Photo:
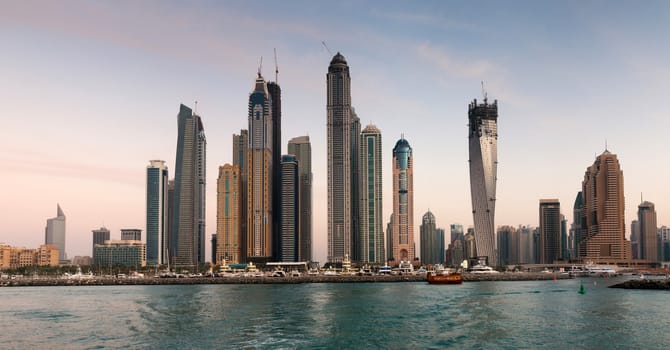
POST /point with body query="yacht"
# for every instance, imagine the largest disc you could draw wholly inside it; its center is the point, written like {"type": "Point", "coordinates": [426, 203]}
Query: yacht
{"type": "Point", "coordinates": [385, 270]}
{"type": "Point", "coordinates": [278, 272]}
{"type": "Point", "coordinates": [479, 268]}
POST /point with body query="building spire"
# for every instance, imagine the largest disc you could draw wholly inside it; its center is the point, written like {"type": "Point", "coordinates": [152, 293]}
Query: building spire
{"type": "Point", "coordinates": [276, 68]}
{"type": "Point", "coordinates": [260, 67]}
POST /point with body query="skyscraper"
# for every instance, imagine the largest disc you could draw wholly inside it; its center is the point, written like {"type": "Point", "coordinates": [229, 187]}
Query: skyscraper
{"type": "Point", "coordinates": [339, 125]}
{"type": "Point", "coordinates": [275, 96]}
{"type": "Point", "coordinates": [456, 231]}
{"type": "Point", "coordinates": [370, 192]}
{"type": "Point", "coordinates": [288, 244]}
{"type": "Point", "coordinates": [483, 147]}
{"type": "Point", "coordinates": [228, 214]}
{"type": "Point", "coordinates": [604, 231]}
{"type": "Point", "coordinates": [54, 233]}
{"type": "Point", "coordinates": [635, 239]}
{"type": "Point", "coordinates": [157, 212]}
{"type": "Point", "coordinates": [240, 157]}
{"type": "Point", "coordinates": [171, 239]}
{"type": "Point", "coordinates": [550, 231]}
{"type": "Point", "coordinates": [189, 201]}
{"type": "Point", "coordinates": [99, 237]}
{"type": "Point", "coordinates": [576, 226]}
{"type": "Point", "coordinates": [403, 202]}
{"type": "Point", "coordinates": [259, 174]}
{"type": "Point", "coordinates": [355, 189]}
{"type": "Point", "coordinates": [508, 246]}
{"type": "Point", "coordinates": [301, 148]}
{"type": "Point", "coordinates": [430, 242]}
{"type": "Point", "coordinates": [646, 216]}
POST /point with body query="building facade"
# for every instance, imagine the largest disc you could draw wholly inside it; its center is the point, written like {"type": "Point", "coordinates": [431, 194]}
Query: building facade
{"type": "Point", "coordinates": [260, 178]}
{"type": "Point", "coordinates": [340, 190]}
{"type": "Point", "coordinates": [301, 148]}
{"type": "Point", "coordinates": [54, 233]}
{"type": "Point", "coordinates": [189, 201]}
{"type": "Point", "coordinates": [18, 257]}
{"type": "Point", "coordinates": [603, 236]}
{"type": "Point", "coordinates": [289, 239]}
{"type": "Point", "coordinates": [229, 214]}
{"type": "Point", "coordinates": [483, 150]}
{"type": "Point", "coordinates": [240, 159]}
{"type": "Point", "coordinates": [131, 234]}
{"type": "Point", "coordinates": [371, 244]}
{"type": "Point", "coordinates": [550, 231]}
{"type": "Point", "coordinates": [275, 96]}
{"type": "Point", "coordinates": [157, 212]}
{"type": "Point", "coordinates": [99, 237]}
{"type": "Point", "coordinates": [121, 252]}
{"type": "Point", "coordinates": [403, 202]}
{"type": "Point", "coordinates": [648, 247]}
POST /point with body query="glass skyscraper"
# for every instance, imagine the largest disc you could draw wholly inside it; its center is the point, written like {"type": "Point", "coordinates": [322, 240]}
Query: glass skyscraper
{"type": "Point", "coordinates": [371, 240]}
{"type": "Point", "coordinates": [157, 216]}
{"type": "Point", "coordinates": [301, 148]}
{"type": "Point", "coordinates": [54, 233]}
{"type": "Point", "coordinates": [189, 190]}
{"type": "Point", "coordinates": [483, 149]}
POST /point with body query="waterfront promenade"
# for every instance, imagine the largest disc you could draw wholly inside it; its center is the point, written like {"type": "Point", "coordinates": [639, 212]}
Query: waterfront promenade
{"type": "Point", "coordinates": [103, 281]}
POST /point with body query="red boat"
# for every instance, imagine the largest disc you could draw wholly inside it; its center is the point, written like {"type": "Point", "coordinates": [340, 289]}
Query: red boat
{"type": "Point", "coordinates": [448, 278]}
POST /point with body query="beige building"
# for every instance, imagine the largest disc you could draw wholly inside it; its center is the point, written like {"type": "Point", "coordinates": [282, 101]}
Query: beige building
{"type": "Point", "coordinates": [403, 202]}
{"type": "Point", "coordinates": [646, 218]}
{"type": "Point", "coordinates": [603, 237]}
{"type": "Point", "coordinates": [228, 214]}
{"type": "Point", "coordinates": [16, 257]}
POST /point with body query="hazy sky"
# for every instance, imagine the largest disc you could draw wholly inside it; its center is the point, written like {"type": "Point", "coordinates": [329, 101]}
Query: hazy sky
{"type": "Point", "coordinates": [90, 93]}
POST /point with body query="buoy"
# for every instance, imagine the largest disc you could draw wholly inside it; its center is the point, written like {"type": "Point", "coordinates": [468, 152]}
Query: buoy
{"type": "Point", "coordinates": [581, 288]}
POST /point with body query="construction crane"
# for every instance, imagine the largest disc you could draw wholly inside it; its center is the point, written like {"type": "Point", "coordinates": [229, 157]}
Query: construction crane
{"type": "Point", "coordinates": [326, 46]}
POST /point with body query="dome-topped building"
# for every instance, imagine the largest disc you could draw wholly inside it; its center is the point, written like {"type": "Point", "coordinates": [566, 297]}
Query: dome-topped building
{"type": "Point", "coordinates": [403, 203]}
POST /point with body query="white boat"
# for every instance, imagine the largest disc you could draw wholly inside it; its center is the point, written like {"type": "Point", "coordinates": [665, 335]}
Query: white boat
{"type": "Point", "coordinates": [278, 272]}
{"type": "Point", "coordinates": [405, 267]}
{"type": "Point", "coordinates": [295, 273]}
{"type": "Point", "coordinates": [479, 268]}
{"type": "Point", "coordinates": [330, 272]}
{"type": "Point", "coordinates": [313, 272]}
{"type": "Point", "coordinates": [385, 270]}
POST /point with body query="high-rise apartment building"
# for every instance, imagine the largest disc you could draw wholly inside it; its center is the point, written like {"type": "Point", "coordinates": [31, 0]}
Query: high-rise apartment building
{"type": "Point", "coordinates": [483, 149]}
{"type": "Point", "coordinates": [603, 236]}
{"type": "Point", "coordinates": [371, 242]}
{"type": "Point", "coordinates": [289, 242]}
{"type": "Point", "coordinates": [157, 212]}
{"type": "Point", "coordinates": [635, 239]}
{"type": "Point", "coordinates": [54, 233]}
{"type": "Point", "coordinates": [189, 191]}
{"type": "Point", "coordinates": [259, 174]}
{"type": "Point", "coordinates": [432, 243]}
{"type": "Point", "coordinates": [171, 239]}
{"type": "Point", "coordinates": [648, 247]}
{"type": "Point", "coordinates": [99, 237]}
{"type": "Point", "coordinates": [456, 231]}
{"type": "Point", "coordinates": [565, 255]}
{"type": "Point", "coordinates": [340, 189]}
{"type": "Point", "coordinates": [403, 202]}
{"type": "Point", "coordinates": [508, 246]}
{"type": "Point", "coordinates": [240, 157]}
{"type": "Point", "coordinates": [131, 234]}
{"type": "Point", "coordinates": [275, 96]}
{"type": "Point", "coordinates": [550, 231]}
{"type": "Point", "coordinates": [228, 214]}
{"type": "Point", "coordinates": [301, 148]}
{"type": "Point", "coordinates": [355, 187]}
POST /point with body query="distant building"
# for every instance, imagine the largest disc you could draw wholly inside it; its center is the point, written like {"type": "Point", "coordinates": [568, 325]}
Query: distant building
{"type": "Point", "coordinates": [508, 246]}
{"type": "Point", "coordinates": [55, 233]}
{"type": "Point", "coordinates": [157, 213]}
{"type": "Point", "coordinates": [456, 231]}
{"type": "Point", "coordinates": [432, 244]}
{"type": "Point", "coordinates": [213, 249]}
{"type": "Point", "coordinates": [301, 148]}
{"type": "Point", "coordinates": [565, 255]}
{"type": "Point", "coordinates": [664, 234]}
{"type": "Point", "coordinates": [604, 231]}
{"type": "Point", "coordinates": [576, 226]}
{"type": "Point", "coordinates": [17, 257]}
{"type": "Point", "coordinates": [456, 253]}
{"type": "Point", "coordinates": [131, 234]}
{"type": "Point", "coordinates": [483, 150]}
{"type": "Point", "coordinates": [240, 159]}
{"type": "Point", "coordinates": [275, 97]}
{"type": "Point", "coordinates": [189, 190]}
{"type": "Point", "coordinates": [289, 242]}
{"type": "Point", "coordinates": [370, 192]}
{"type": "Point", "coordinates": [646, 216]}
{"type": "Point", "coordinates": [229, 214]}
{"type": "Point", "coordinates": [526, 247]}
{"type": "Point", "coordinates": [127, 253]}
{"type": "Point", "coordinates": [99, 237]}
{"type": "Point", "coordinates": [82, 260]}
{"type": "Point", "coordinates": [550, 231]}
{"type": "Point", "coordinates": [635, 239]}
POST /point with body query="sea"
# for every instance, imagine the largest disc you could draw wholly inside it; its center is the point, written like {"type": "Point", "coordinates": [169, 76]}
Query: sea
{"type": "Point", "coordinates": [474, 315]}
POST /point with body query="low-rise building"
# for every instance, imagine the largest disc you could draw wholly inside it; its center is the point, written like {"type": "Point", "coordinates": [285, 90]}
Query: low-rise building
{"type": "Point", "coordinates": [120, 252]}
{"type": "Point", "coordinates": [16, 257]}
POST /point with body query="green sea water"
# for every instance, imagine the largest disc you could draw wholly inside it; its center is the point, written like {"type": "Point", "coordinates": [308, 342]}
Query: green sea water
{"type": "Point", "coordinates": [476, 315]}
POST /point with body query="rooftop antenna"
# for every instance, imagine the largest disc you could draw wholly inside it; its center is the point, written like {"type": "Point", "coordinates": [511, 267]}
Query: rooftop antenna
{"type": "Point", "coordinates": [484, 93]}
{"type": "Point", "coordinates": [327, 49]}
{"type": "Point", "coordinates": [641, 200]}
{"type": "Point", "coordinates": [276, 68]}
{"type": "Point", "coordinates": [195, 109]}
{"type": "Point", "coordinates": [606, 145]}
{"type": "Point", "coordinates": [260, 67]}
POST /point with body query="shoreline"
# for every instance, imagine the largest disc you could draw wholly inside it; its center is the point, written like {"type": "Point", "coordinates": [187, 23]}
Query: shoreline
{"type": "Point", "coordinates": [106, 281]}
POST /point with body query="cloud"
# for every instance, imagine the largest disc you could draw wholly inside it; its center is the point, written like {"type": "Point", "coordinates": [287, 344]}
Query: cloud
{"type": "Point", "coordinates": [453, 66]}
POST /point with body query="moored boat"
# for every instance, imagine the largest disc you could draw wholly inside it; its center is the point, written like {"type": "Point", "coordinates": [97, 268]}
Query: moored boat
{"type": "Point", "coordinates": [447, 278]}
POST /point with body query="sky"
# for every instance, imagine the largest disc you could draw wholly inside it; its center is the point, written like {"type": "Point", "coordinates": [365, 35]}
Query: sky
{"type": "Point", "coordinates": [91, 90]}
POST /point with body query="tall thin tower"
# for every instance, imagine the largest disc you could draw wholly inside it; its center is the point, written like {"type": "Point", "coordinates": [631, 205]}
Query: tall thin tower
{"type": "Point", "coordinates": [54, 232]}
{"type": "Point", "coordinates": [275, 96]}
{"type": "Point", "coordinates": [157, 212]}
{"type": "Point", "coordinates": [259, 173]}
{"type": "Point", "coordinates": [370, 185]}
{"type": "Point", "coordinates": [403, 202]}
{"type": "Point", "coordinates": [189, 191]}
{"type": "Point", "coordinates": [301, 148]}
{"type": "Point", "coordinates": [339, 124]}
{"type": "Point", "coordinates": [483, 147]}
